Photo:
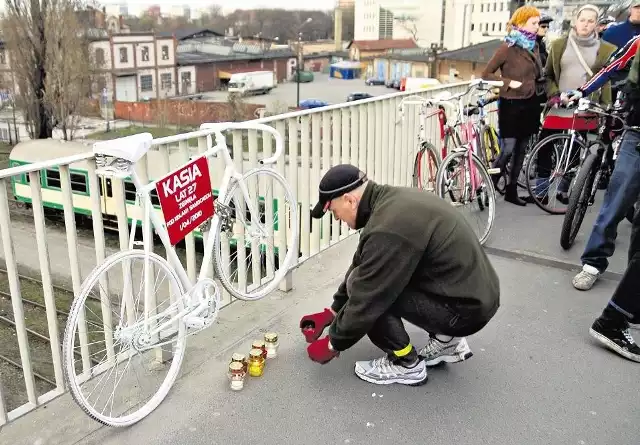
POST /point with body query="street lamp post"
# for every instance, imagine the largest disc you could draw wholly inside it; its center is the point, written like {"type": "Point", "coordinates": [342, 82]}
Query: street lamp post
{"type": "Point", "coordinates": [299, 61]}
{"type": "Point", "coordinates": [298, 70]}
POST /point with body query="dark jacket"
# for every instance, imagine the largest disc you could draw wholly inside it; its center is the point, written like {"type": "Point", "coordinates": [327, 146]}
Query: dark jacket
{"type": "Point", "coordinates": [542, 50]}
{"type": "Point", "coordinates": [515, 63]}
{"type": "Point", "coordinates": [415, 241]}
{"type": "Point", "coordinates": [619, 35]}
{"type": "Point", "coordinates": [631, 88]}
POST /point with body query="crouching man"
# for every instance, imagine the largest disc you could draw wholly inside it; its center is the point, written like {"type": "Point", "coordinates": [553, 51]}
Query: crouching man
{"type": "Point", "coordinates": [417, 260]}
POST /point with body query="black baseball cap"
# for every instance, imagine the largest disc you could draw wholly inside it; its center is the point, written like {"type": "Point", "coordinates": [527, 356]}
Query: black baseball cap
{"type": "Point", "coordinates": [337, 181]}
{"type": "Point", "coordinates": [545, 19]}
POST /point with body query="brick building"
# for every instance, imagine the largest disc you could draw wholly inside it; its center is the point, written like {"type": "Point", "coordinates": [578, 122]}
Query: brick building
{"type": "Point", "coordinates": [467, 62]}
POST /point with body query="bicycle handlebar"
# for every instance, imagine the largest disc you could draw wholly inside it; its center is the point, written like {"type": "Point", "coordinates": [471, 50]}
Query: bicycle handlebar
{"type": "Point", "coordinates": [219, 127]}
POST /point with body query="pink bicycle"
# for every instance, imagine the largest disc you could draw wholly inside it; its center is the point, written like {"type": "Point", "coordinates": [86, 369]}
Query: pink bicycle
{"type": "Point", "coordinates": [463, 176]}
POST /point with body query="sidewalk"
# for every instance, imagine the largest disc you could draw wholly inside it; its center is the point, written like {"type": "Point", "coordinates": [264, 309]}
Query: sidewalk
{"type": "Point", "coordinates": [536, 377]}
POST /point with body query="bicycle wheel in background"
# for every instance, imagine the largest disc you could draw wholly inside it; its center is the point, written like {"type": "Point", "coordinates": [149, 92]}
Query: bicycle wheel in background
{"type": "Point", "coordinates": [266, 244]}
{"type": "Point", "coordinates": [579, 201]}
{"type": "Point", "coordinates": [425, 167]}
{"type": "Point", "coordinates": [454, 180]}
{"type": "Point", "coordinates": [490, 145]}
{"type": "Point", "coordinates": [548, 192]}
{"type": "Point", "coordinates": [111, 333]}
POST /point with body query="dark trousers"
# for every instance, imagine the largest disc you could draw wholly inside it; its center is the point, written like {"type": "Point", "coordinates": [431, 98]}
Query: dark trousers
{"type": "Point", "coordinates": [513, 151]}
{"type": "Point", "coordinates": [435, 317]}
{"type": "Point", "coordinates": [626, 298]}
{"type": "Point", "coordinates": [622, 193]}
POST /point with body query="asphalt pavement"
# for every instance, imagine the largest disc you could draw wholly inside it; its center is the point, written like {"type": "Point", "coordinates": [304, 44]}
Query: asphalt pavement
{"type": "Point", "coordinates": [536, 375]}
{"type": "Point", "coordinates": [323, 87]}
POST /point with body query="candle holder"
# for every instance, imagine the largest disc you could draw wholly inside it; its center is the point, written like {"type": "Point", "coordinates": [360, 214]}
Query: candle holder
{"type": "Point", "coordinates": [256, 363]}
{"type": "Point", "coordinates": [271, 343]}
{"type": "Point", "coordinates": [236, 376]}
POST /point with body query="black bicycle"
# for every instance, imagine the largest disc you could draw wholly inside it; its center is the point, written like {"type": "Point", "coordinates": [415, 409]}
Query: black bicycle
{"type": "Point", "coordinates": [594, 165]}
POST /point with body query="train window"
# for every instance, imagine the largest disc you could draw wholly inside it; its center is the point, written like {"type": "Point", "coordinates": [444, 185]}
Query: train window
{"type": "Point", "coordinates": [100, 187]}
{"type": "Point", "coordinates": [79, 182]}
{"type": "Point", "coordinates": [53, 179]}
{"type": "Point", "coordinates": [154, 198]}
{"type": "Point", "coordinates": [129, 191]}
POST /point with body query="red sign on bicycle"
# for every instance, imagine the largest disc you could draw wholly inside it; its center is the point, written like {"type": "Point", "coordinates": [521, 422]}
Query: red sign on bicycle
{"type": "Point", "coordinates": [186, 198]}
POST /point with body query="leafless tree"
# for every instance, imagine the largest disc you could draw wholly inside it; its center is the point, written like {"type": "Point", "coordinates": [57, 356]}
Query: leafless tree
{"type": "Point", "coordinates": [45, 46]}
{"type": "Point", "coordinates": [409, 24]}
{"type": "Point", "coordinates": [68, 67]}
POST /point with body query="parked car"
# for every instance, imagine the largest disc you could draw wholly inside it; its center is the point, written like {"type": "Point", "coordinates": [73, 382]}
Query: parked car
{"type": "Point", "coordinates": [393, 83]}
{"type": "Point", "coordinates": [374, 81]}
{"type": "Point", "coordinates": [312, 103]}
{"type": "Point", "coordinates": [358, 96]}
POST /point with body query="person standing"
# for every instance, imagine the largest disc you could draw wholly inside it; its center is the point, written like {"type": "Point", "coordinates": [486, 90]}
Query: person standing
{"type": "Point", "coordinates": [624, 187]}
{"type": "Point", "coordinates": [573, 60]}
{"type": "Point", "coordinates": [518, 59]}
{"type": "Point", "coordinates": [541, 37]}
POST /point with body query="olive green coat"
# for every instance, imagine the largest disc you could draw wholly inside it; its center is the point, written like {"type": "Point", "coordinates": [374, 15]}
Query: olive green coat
{"type": "Point", "coordinates": [557, 48]}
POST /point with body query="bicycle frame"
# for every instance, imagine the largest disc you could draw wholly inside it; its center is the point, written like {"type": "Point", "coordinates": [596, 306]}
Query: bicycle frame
{"type": "Point", "coordinates": [143, 194]}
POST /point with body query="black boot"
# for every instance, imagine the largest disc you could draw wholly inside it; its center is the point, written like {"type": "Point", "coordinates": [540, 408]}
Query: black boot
{"type": "Point", "coordinates": [511, 195]}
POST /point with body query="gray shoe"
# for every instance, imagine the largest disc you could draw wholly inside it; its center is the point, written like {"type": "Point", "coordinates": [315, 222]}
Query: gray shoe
{"type": "Point", "coordinates": [382, 371]}
{"type": "Point", "coordinates": [586, 278]}
{"type": "Point", "coordinates": [436, 351]}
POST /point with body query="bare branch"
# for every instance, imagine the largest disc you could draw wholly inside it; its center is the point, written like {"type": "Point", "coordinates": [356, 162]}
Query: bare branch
{"type": "Point", "coordinates": [48, 55]}
{"type": "Point", "coordinates": [409, 24]}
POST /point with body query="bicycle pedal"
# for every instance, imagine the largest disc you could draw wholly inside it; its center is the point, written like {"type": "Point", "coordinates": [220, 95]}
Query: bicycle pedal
{"type": "Point", "coordinates": [493, 171]}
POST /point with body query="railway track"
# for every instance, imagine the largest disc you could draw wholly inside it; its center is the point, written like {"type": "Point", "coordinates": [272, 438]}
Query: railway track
{"type": "Point", "coordinates": [35, 317]}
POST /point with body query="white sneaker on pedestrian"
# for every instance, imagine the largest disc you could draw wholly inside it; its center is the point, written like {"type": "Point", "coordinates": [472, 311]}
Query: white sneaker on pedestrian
{"type": "Point", "coordinates": [586, 278]}
{"type": "Point", "coordinates": [453, 351]}
{"type": "Point", "coordinates": [383, 371]}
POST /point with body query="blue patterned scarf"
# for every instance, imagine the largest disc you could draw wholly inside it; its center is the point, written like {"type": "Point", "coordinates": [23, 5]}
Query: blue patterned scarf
{"type": "Point", "coordinates": [520, 37]}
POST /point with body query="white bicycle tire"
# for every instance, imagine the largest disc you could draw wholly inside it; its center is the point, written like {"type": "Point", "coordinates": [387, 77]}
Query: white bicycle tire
{"type": "Point", "coordinates": [67, 344]}
{"type": "Point", "coordinates": [285, 263]}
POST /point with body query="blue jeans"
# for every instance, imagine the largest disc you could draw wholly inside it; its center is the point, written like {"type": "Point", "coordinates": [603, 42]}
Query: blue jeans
{"type": "Point", "coordinates": [621, 195]}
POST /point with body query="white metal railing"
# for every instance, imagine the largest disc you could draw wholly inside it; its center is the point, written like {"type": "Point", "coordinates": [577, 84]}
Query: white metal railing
{"type": "Point", "coordinates": [365, 133]}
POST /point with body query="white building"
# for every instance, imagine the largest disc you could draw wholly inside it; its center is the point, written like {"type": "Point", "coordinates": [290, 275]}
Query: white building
{"type": "Point", "coordinates": [136, 66]}
{"type": "Point", "coordinates": [422, 20]}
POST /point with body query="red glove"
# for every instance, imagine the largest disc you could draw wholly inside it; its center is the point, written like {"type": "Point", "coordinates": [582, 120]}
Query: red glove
{"type": "Point", "coordinates": [312, 325]}
{"type": "Point", "coordinates": [319, 351]}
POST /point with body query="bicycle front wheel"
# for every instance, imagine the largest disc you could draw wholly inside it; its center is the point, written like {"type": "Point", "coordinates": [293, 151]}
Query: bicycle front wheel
{"type": "Point", "coordinates": [263, 246]}
{"type": "Point", "coordinates": [425, 167]}
{"type": "Point", "coordinates": [578, 201]}
{"type": "Point", "coordinates": [550, 171]}
{"type": "Point", "coordinates": [107, 339]}
{"type": "Point", "coordinates": [468, 188]}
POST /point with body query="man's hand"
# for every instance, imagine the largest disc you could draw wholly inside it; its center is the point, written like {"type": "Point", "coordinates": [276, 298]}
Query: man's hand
{"type": "Point", "coordinates": [313, 325]}
{"type": "Point", "coordinates": [321, 351]}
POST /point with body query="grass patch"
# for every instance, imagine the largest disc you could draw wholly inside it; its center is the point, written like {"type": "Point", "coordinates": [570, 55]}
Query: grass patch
{"type": "Point", "coordinates": [157, 132]}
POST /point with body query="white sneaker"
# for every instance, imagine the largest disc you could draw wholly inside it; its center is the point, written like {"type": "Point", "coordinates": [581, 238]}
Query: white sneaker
{"type": "Point", "coordinates": [453, 351]}
{"type": "Point", "coordinates": [383, 371]}
{"type": "Point", "coordinates": [586, 278]}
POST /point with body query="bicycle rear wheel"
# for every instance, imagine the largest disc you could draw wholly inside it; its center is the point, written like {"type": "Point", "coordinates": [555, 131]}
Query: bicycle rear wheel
{"type": "Point", "coordinates": [266, 244]}
{"type": "Point", "coordinates": [579, 201]}
{"type": "Point", "coordinates": [454, 181]}
{"type": "Point", "coordinates": [112, 334]}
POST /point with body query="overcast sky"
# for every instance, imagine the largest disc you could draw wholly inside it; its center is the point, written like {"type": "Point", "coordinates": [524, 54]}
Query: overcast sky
{"type": "Point", "coordinates": [231, 4]}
